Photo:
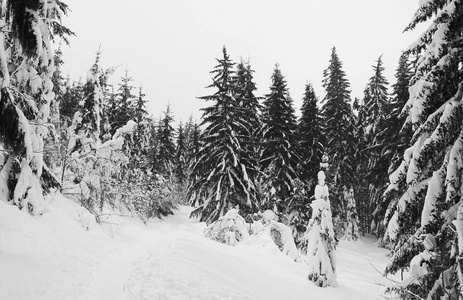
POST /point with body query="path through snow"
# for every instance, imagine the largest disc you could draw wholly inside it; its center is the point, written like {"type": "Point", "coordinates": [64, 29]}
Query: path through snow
{"type": "Point", "coordinates": [53, 257]}
{"type": "Point", "coordinates": [175, 261]}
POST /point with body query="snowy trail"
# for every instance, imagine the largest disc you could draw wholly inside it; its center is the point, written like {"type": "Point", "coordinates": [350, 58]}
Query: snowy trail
{"type": "Point", "coordinates": [174, 261]}
{"type": "Point", "coordinates": [112, 279]}
{"type": "Point", "coordinates": [54, 258]}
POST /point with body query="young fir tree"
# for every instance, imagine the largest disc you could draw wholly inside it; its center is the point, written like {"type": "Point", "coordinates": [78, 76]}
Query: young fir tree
{"type": "Point", "coordinates": [223, 181]}
{"type": "Point", "coordinates": [24, 103]}
{"type": "Point", "coordinates": [338, 129]}
{"type": "Point", "coordinates": [68, 105]}
{"type": "Point", "coordinates": [395, 139]}
{"type": "Point", "coordinates": [279, 153]}
{"type": "Point", "coordinates": [138, 148]}
{"type": "Point", "coordinates": [122, 107]}
{"type": "Point", "coordinates": [425, 221]}
{"type": "Point", "coordinates": [321, 244]}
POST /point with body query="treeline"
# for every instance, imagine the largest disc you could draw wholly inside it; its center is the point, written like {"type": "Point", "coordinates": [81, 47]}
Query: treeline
{"type": "Point", "coordinates": [257, 155]}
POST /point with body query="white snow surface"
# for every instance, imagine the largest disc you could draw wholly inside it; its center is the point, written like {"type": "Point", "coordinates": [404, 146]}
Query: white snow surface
{"type": "Point", "coordinates": [53, 256]}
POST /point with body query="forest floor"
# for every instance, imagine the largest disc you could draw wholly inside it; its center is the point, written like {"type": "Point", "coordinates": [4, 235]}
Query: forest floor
{"type": "Point", "coordinates": [54, 257]}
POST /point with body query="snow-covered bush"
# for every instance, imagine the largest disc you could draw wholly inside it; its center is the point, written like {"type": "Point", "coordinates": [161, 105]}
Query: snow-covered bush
{"type": "Point", "coordinates": [93, 170]}
{"type": "Point", "coordinates": [151, 196]}
{"type": "Point", "coordinates": [267, 230]}
{"type": "Point", "coordinates": [229, 229]}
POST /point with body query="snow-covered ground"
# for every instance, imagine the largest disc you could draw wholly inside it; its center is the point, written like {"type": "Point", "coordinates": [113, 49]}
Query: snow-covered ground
{"type": "Point", "coordinates": [54, 257]}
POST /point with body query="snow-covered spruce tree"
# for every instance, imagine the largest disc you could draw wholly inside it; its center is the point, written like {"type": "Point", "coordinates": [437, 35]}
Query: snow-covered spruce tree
{"type": "Point", "coordinates": [279, 154]}
{"type": "Point", "coordinates": [26, 96]}
{"type": "Point", "coordinates": [321, 245]}
{"type": "Point", "coordinates": [431, 169]}
{"type": "Point", "coordinates": [222, 180]}
{"type": "Point", "coordinates": [376, 111]}
{"type": "Point", "coordinates": [338, 129]}
{"type": "Point", "coordinates": [248, 104]}
{"type": "Point", "coordinates": [360, 184]}
{"type": "Point", "coordinates": [371, 165]}
{"type": "Point", "coordinates": [310, 152]}
{"type": "Point", "coordinates": [310, 137]}
{"type": "Point", "coordinates": [394, 138]}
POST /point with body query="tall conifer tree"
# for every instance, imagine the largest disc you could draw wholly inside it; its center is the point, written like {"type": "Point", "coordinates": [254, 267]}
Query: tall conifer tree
{"type": "Point", "coordinates": [374, 162]}
{"type": "Point", "coordinates": [427, 218]}
{"type": "Point", "coordinates": [338, 130]}
{"type": "Point", "coordinates": [279, 155]}
{"type": "Point", "coordinates": [222, 181]}
{"type": "Point", "coordinates": [310, 138]}
{"type": "Point", "coordinates": [395, 137]}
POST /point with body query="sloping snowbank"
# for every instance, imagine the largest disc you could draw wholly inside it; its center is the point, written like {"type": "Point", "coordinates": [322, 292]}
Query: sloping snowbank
{"type": "Point", "coordinates": [54, 257]}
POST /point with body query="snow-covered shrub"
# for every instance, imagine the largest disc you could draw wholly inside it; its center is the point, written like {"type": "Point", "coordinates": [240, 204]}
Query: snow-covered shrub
{"type": "Point", "coordinates": [93, 171]}
{"type": "Point", "coordinates": [268, 229]}
{"type": "Point", "coordinates": [229, 229]}
{"type": "Point", "coordinates": [152, 197]}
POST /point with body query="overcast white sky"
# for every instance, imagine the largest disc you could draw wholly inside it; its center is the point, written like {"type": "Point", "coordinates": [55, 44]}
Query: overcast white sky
{"type": "Point", "coordinates": [169, 47]}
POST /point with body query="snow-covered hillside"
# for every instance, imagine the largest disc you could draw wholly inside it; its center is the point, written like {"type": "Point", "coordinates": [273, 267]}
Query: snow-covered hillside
{"type": "Point", "coordinates": [54, 257]}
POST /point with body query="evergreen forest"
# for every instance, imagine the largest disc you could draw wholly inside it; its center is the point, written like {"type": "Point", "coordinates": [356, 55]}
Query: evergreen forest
{"type": "Point", "coordinates": [393, 158]}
